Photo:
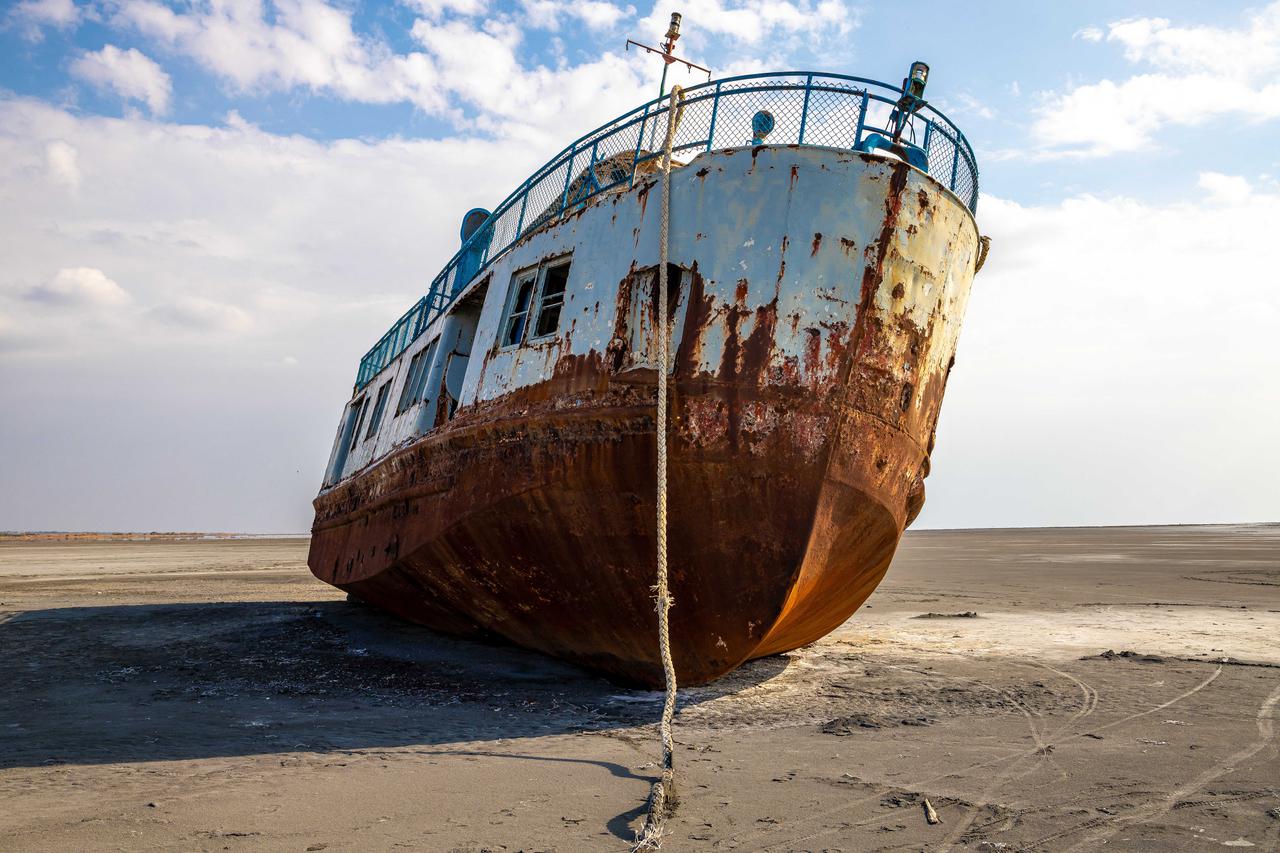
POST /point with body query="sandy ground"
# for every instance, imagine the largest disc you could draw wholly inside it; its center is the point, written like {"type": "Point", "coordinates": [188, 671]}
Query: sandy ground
{"type": "Point", "coordinates": [213, 696]}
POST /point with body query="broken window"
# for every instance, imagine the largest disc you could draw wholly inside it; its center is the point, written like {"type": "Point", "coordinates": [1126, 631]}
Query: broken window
{"type": "Point", "coordinates": [518, 309]}
{"type": "Point", "coordinates": [357, 414]}
{"type": "Point", "coordinates": [551, 299]}
{"type": "Point", "coordinates": [416, 381]}
{"type": "Point", "coordinates": [378, 406]}
{"type": "Point", "coordinates": [537, 297]}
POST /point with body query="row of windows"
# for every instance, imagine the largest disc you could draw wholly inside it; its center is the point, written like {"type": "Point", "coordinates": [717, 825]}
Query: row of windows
{"type": "Point", "coordinates": [536, 293]}
{"type": "Point", "coordinates": [414, 385]}
{"type": "Point", "coordinates": [359, 410]}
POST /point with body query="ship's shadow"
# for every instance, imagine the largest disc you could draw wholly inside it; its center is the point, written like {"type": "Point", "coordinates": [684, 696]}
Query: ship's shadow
{"type": "Point", "coordinates": [185, 681]}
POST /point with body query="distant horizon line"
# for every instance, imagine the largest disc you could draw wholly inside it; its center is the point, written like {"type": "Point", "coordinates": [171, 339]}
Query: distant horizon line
{"type": "Point", "coordinates": [36, 535]}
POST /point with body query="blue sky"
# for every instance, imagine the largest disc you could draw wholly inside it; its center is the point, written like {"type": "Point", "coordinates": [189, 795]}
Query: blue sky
{"type": "Point", "coordinates": [212, 208]}
{"type": "Point", "coordinates": [993, 66]}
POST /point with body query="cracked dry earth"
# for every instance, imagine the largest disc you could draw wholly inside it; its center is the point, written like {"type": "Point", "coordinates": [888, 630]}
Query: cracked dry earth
{"type": "Point", "coordinates": [1068, 690]}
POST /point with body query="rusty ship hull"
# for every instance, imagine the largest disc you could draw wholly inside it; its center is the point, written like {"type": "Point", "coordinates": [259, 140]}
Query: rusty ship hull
{"type": "Point", "coordinates": [817, 296]}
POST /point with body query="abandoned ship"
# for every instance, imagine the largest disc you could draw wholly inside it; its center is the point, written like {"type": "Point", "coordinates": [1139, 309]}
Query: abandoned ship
{"type": "Point", "coordinates": [493, 472]}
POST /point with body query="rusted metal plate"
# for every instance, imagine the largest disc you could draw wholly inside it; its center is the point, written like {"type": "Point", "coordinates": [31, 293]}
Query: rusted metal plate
{"type": "Point", "coordinates": [818, 299]}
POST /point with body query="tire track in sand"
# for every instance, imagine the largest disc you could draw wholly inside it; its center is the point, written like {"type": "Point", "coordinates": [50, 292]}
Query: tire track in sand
{"type": "Point", "coordinates": [951, 839]}
{"type": "Point", "coordinates": [1032, 717]}
{"type": "Point", "coordinates": [1085, 710]}
{"type": "Point", "coordinates": [1089, 704]}
{"type": "Point", "coordinates": [1109, 826]}
{"type": "Point", "coordinates": [922, 783]}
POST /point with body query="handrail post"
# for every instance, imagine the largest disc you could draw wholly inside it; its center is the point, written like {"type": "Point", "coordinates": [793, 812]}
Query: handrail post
{"type": "Point", "coordinates": [640, 141]}
{"type": "Point", "coordinates": [804, 110]}
{"type": "Point", "coordinates": [715, 107]}
{"type": "Point", "coordinates": [568, 176]}
{"type": "Point", "coordinates": [972, 165]}
{"type": "Point", "coordinates": [862, 120]}
{"type": "Point", "coordinates": [524, 203]}
{"type": "Point", "coordinates": [955, 162]}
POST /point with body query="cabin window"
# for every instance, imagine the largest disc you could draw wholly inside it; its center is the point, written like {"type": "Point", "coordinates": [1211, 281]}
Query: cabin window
{"type": "Point", "coordinates": [537, 297]}
{"type": "Point", "coordinates": [518, 310]}
{"type": "Point", "coordinates": [357, 412]}
{"type": "Point", "coordinates": [551, 299]}
{"type": "Point", "coordinates": [378, 406]}
{"type": "Point", "coordinates": [416, 381]}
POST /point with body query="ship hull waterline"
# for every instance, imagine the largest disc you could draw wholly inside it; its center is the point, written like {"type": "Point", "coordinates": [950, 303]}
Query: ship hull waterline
{"type": "Point", "coordinates": [530, 516]}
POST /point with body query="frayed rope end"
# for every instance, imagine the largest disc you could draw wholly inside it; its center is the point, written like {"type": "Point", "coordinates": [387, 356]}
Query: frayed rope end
{"type": "Point", "coordinates": [663, 802]}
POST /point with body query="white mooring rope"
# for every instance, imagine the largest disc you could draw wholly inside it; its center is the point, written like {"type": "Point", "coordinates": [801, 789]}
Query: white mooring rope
{"type": "Point", "coordinates": [662, 797]}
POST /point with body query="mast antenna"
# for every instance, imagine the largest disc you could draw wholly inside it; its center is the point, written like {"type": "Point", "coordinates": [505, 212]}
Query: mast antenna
{"type": "Point", "coordinates": [673, 34]}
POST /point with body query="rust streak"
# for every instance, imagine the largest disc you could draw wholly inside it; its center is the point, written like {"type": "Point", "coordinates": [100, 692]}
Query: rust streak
{"type": "Point", "coordinates": [697, 317]}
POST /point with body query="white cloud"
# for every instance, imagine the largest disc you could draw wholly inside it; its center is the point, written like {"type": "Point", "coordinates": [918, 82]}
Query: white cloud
{"type": "Point", "coordinates": [462, 68]}
{"type": "Point", "coordinates": [964, 103]}
{"type": "Point", "coordinates": [1117, 365]}
{"type": "Point", "coordinates": [436, 9]}
{"type": "Point", "coordinates": [595, 14]}
{"type": "Point", "coordinates": [260, 267]}
{"type": "Point", "coordinates": [33, 15]}
{"type": "Point", "coordinates": [1199, 74]}
{"type": "Point", "coordinates": [1244, 52]}
{"type": "Point", "coordinates": [305, 44]}
{"type": "Point", "coordinates": [129, 73]}
{"type": "Point", "coordinates": [280, 230]}
{"type": "Point", "coordinates": [538, 104]}
{"type": "Point", "coordinates": [1093, 34]}
{"type": "Point", "coordinates": [471, 66]}
{"type": "Point", "coordinates": [1225, 189]}
{"type": "Point", "coordinates": [754, 22]}
{"type": "Point", "coordinates": [62, 162]}
{"type": "Point", "coordinates": [79, 287]}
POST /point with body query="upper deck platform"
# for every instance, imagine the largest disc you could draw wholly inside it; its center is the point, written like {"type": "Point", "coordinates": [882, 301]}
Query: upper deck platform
{"type": "Point", "coordinates": [797, 108]}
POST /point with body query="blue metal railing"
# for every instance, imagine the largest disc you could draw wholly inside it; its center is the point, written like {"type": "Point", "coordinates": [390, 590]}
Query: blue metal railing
{"type": "Point", "coordinates": [807, 108]}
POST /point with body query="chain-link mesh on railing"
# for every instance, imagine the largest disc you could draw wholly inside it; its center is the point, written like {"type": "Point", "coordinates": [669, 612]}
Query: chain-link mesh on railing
{"type": "Point", "coordinates": [804, 109]}
{"type": "Point", "coordinates": [399, 336]}
{"type": "Point", "coordinates": [833, 114]}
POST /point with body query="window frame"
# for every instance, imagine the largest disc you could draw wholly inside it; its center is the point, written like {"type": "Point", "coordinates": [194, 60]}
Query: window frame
{"type": "Point", "coordinates": [564, 262]}
{"type": "Point", "coordinates": [359, 407]}
{"type": "Point", "coordinates": [416, 383]}
{"type": "Point", "coordinates": [379, 408]}
{"type": "Point", "coordinates": [518, 278]}
{"type": "Point", "coordinates": [533, 313]}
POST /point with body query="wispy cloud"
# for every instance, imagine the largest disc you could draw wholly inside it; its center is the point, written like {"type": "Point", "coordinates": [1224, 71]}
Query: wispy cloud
{"type": "Point", "coordinates": [32, 16]}
{"type": "Point", "coordinates": [129, 73]}
{"type": "Point", "coordinates": [1193, 75]}
{"type": "Point", "coordinates": [63, 164]}
{"type": "Point", "coordinates": [78, 287]}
